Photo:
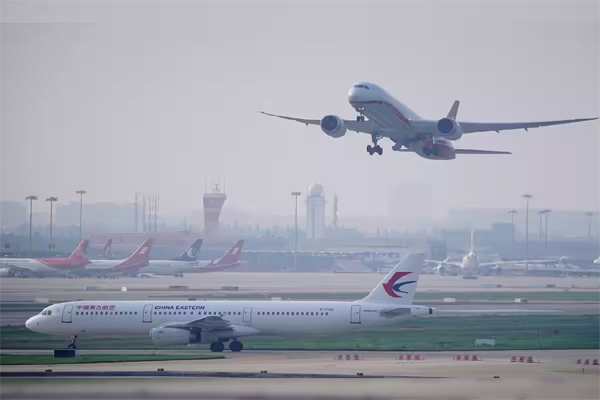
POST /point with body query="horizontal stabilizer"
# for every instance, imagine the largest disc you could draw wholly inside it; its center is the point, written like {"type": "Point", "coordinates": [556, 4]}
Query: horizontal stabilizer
{"type": "Point", "coordinates": [469, 151]}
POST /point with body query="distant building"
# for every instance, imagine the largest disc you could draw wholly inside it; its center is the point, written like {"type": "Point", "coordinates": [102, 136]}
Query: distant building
{"type": "Point", "coordinates": [213, 204]}
{"type": "Point", "coordinates": [315, 212]}
{"type": "Point", "coordinates": [12, 214]}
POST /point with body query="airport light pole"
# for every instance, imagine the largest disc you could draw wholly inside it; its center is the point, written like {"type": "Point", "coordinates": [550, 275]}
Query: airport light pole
{"type": "Point", "coordinates": [31, 199]}
{"type": "Point", "coordinates": [80, 193]}
{"type": "Point", "coordinates": [51, 200]}
{"type": "Point", "coordinates": [546, 212]}
{"type": "Point", "coordinates": [527, 198]}
{"type": "Point", "coordinates": [589, 216]}
{"type": "Point", "coordinates": [512, 222]}
{"type": "Point", "coordinates": [295, 194]}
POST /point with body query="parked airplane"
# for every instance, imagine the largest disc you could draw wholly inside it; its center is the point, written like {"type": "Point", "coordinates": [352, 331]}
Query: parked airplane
{"type": "Point", "coordinates": [180, 266]}
{"type": "Point", "coordinates": [389, 118]}
{"type": "Point", "coordinates": [132, 264]}
{"type": "Point", "coordinates": [217, 322]}
{"type": "Point", "coordinates": [10, 267]}
{"type": "Point", "coordinates": [470, 265]}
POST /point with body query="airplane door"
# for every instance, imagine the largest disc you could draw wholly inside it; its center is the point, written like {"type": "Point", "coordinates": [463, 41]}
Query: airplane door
{"type": "Point", "coordinates": [247, 314]}
{"type": "Point", "coordinates": [355, 315]}
{"type": "Point", "coordinates": [67, 312]}
{"type": "Point", "coordinates": [147, 313]}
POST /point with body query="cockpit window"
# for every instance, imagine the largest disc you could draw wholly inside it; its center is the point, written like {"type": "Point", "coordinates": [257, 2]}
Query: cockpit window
{"type": "Point", "coordinates": [43, 312]}
{"type": "Point", "coordinates": [362, 86]}
{"type": "Point", "coordinates": [49, 312]}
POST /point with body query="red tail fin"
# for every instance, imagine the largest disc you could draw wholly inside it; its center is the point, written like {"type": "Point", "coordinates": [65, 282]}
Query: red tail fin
{"type": "Point", "coordinates": [80, 252]}
{"type": "Point", "coordinates": [232, 256]}
{"type": "Point", "coordinates": [138, 259]}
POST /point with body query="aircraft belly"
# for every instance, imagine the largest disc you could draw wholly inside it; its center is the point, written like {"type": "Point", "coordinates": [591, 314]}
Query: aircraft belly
{"type": "Point", "coordinates": [386, 117]}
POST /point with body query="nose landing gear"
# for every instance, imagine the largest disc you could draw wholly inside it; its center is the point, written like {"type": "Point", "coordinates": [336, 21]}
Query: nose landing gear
{"type": "Point", "coordinates": [73, 344]}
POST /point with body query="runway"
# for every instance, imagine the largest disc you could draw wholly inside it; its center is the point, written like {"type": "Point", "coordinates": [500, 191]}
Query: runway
{"type": "Point", "coordinates": [552, 376]}
{"type": "Point", "coordinates": [267, 284]}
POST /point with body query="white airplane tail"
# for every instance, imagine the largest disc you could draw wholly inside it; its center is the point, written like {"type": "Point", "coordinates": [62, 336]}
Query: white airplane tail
{"type": "Point", "coordinates": [400, 284]}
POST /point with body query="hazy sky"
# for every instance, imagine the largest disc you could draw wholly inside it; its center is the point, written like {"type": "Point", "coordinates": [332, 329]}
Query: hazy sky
{"type": "Point", "coordinates": [118, 97]}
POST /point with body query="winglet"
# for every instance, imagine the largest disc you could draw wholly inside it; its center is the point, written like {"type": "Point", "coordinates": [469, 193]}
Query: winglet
{"type": "Point", "coordinates": [454, 110]}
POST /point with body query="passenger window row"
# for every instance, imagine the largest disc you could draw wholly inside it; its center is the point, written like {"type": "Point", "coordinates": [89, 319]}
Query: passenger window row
{"type": "Point", "coordinates": [292, 313]}
{"type": "Point", "coordinates": [199, 313]}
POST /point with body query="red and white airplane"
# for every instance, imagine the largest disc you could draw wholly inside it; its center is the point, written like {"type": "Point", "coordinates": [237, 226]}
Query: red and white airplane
{"type": "Point", "coordinates": [10, 267]}
{"type": "Point", "coordinates": [388, 118]}
{"type": "Point", "coordinates": [179, 267]}
{"type": "Point", "coordinates": [130, 265]}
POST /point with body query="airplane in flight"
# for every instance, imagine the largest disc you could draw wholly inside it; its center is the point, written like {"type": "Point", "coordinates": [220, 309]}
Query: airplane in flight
{"type": "Point", "coordinates": [218, 322]}
{"type": "Point", "coordinates": [42, 267]}
{"type": "Point", "coordinates": [188, 262]}
{"type": "Point", "coordinates": [130, 265]}
{"type": "Point", "coordinates": [387, 117]}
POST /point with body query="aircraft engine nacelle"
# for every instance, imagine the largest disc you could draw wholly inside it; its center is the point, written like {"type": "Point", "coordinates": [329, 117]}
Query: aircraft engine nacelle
{"type": "Point", "coordinates": [173, 336]}
{"type": "Point", "coordinates": [333, 126]}
{"type": "Point", "coordinates": [420, 311]}
{"type": "Point", "coordinates": [449, 129]}
{"type": "Point", "coordinates": [6, 273]}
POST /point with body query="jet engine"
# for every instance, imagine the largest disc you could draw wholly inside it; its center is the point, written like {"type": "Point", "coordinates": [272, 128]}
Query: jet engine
{"type": "Point", "coordinates": [419, 311]}
{"type": "Point", "coordinates": [333, 126]}
{"type": "Point", "coordinates": [6, 273]}
{"type": "Point", "coordinates": [449, 129]}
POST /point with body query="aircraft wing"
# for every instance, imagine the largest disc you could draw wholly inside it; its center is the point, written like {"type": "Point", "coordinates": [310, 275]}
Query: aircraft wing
{"type": "Point", "coordinates": [491, 264]}
{"type": "Point", "coordinates": [206, 324]}
{"type": "Point", "coordinates": [472, 127]}
{"type": "Point", "coordinates": [451, 263]}
{"type": "Point", "coordinates": [370, 127]}
{"type": "Point", "coordinates": [469, 151]}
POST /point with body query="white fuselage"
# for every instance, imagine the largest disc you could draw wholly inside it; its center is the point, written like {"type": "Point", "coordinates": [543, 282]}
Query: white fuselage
{"type": "Point", "coordinates": [169, 267]}
{"type": "Point", "coordinates": [28, 264]}
{"type": "Point", "coordinates": [249, 317]}
{"type": "Point", "coordinates": [400, 123]}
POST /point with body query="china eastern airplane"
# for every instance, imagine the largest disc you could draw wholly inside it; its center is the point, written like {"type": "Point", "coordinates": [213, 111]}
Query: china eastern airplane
{"type": "Point", "coordinates": [10, 267]}
{"type": "Point", "coordinates": [387, 117]}
{"type": "Point", "coordinates": [218, 322]}
{"type": "Point", "coordinates": [188, 262]}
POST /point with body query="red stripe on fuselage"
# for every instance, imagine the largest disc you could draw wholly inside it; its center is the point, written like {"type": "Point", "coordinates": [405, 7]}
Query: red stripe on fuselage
{"type": "Point", "coordinates": [396, 111]}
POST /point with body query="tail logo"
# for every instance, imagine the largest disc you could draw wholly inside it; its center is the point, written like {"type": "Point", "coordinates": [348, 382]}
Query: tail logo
{"type": "Point", "coordinates": [235, 251]}
{"type": "Point", "coordinates": [192, 252]}
{"type": "Point", "coordinates": [392, 288]}
{"type": "Point", "coordinates": [144, 250]}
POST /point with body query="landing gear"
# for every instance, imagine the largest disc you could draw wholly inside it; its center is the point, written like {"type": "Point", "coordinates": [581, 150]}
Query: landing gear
{"type": "Point", "coordinates": [236, 346]}
{"type": "Point", "coordinates": [217, 347]}
{"type": "Point", "coordinates": [375, 148]}
{"type": "Point", "coordinates": [72, 345]}
{"type": "Point", "coordinates": [179, 275]}
{"type": "Point", "coordinates": [360, 118]}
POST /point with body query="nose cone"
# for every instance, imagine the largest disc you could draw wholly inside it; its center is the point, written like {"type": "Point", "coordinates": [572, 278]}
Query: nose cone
{"type": "Point", "coordinates": [32, 324]}
{"type": "Point", "coordinates": [362, 92]}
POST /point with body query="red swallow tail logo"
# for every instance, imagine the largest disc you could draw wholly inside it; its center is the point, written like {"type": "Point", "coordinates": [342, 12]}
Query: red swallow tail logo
{"type": "Point", "coordinates": [392, 288]}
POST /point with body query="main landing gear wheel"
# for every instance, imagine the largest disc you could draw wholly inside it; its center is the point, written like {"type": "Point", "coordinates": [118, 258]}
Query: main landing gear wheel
{"type": "Point", "coordinates": [360, 118]}
{"type": "Point", "coordinates": [236, 346]}
{"type": "Point", "coordinates": [374, 149]}
{"type": "Point", "coordinates": [217, 347]}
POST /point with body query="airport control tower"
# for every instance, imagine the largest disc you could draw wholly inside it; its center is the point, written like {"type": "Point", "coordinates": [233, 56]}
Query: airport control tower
{"type": "Point", "coordinates": [213, 203]}
{"type": "Point", "coordinates": [315, 212]}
